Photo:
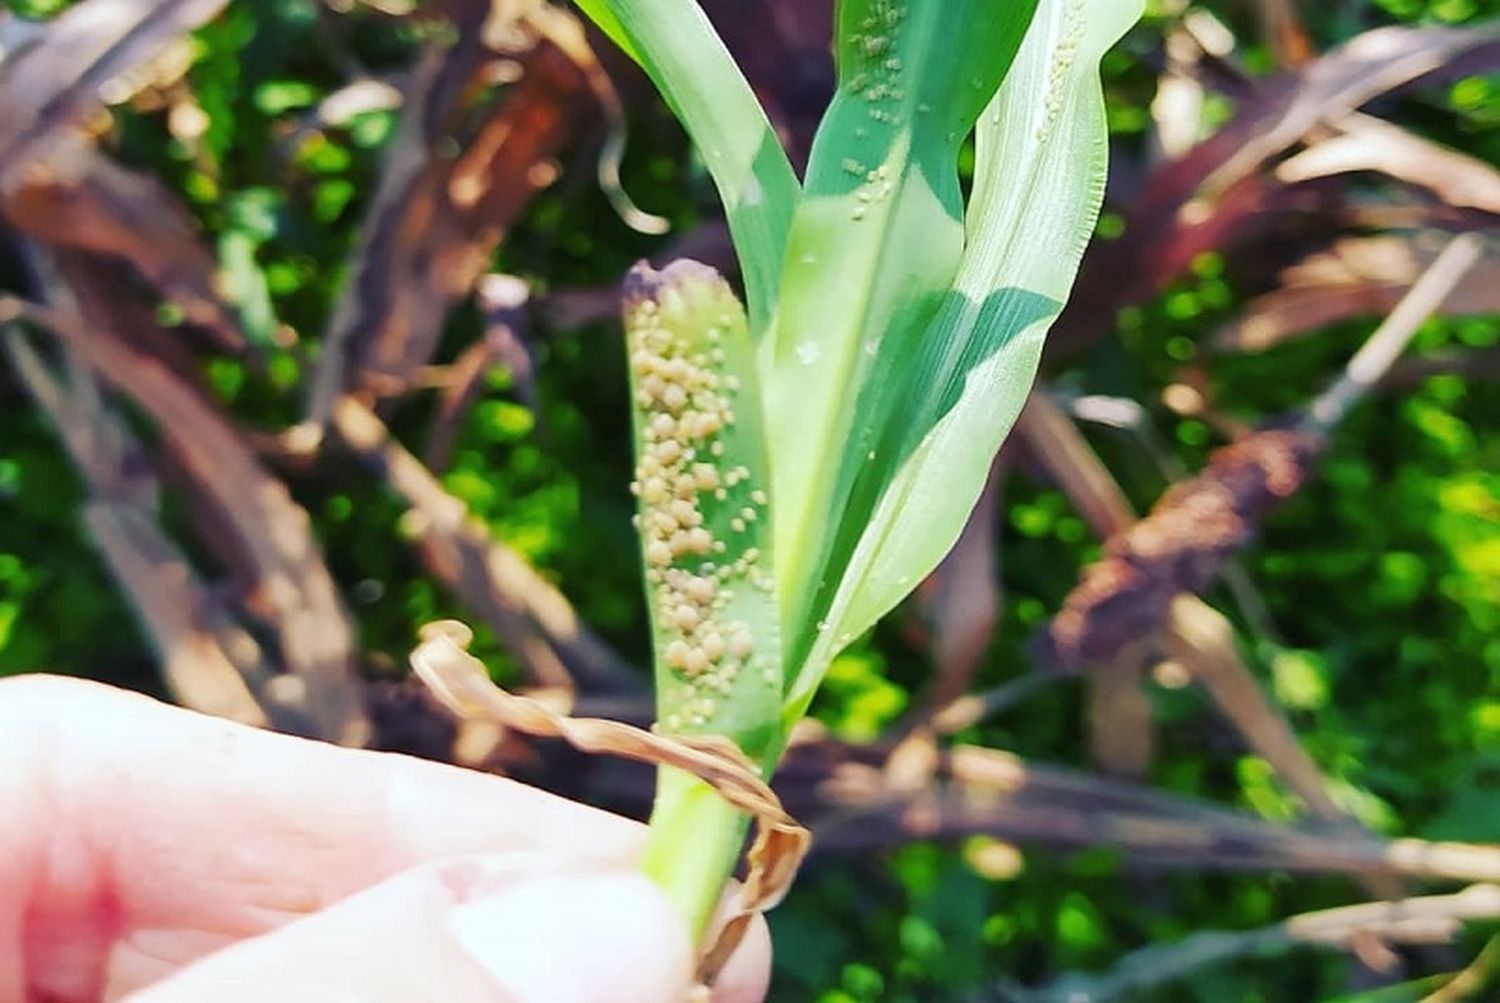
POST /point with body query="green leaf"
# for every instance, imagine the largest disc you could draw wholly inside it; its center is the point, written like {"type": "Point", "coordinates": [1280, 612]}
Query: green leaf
{"type": "Point", "coordinates": [939, 402]}
{"type": "Point", "coordinates": [602, 14]}
{"type": "Point", "coordinates": [703, 512]}
{"type": "Point", "coordinates": [876, 243]}
{"type": "Point", "coordinates": [679, 49]}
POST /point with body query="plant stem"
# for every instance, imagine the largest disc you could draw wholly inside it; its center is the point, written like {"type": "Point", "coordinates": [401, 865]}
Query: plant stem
{"type": "Point", "coordinates": [693, 844]}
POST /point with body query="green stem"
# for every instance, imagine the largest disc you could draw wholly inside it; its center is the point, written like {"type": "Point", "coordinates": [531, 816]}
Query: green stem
{"type": "Point", "coordinates": [693, 845]}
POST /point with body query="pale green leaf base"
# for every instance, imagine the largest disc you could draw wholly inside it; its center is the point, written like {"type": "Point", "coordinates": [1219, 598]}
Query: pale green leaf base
{"type": "Point", "coordinates": [693, 845]}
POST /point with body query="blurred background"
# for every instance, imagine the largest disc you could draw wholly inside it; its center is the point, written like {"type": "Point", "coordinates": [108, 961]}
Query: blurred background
{"type": "Point", "coordinates": [310, 338]}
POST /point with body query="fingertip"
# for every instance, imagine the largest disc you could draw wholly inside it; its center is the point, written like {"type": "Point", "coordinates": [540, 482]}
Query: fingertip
{"type": "Point", "coordinates": [747, 974]}
{"type": "Point", "coordinates": [606, 937]}
{"type": "Point", "coordinates": [522, 928]}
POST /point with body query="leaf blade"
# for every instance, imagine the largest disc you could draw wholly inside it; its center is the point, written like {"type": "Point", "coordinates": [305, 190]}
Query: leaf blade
{"type": "Point", "coordinates": [1042, 156]}
{"type": "Point", "coordinates": [876, 242]}
{"type": "Point", "coordinates": [676, 45]}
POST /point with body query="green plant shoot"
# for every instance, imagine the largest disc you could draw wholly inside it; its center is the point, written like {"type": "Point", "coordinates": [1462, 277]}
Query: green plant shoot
{"type": "Point", "coordinates": [801, 468]}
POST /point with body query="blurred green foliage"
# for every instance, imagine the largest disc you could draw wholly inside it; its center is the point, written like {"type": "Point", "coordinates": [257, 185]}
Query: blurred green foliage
{"type": "Point", "coordinates": [1381, 579]}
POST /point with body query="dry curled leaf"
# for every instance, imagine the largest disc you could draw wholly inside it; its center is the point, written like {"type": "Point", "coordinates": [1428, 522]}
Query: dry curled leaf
{"type": "Point", "coordinates": [460, 681]}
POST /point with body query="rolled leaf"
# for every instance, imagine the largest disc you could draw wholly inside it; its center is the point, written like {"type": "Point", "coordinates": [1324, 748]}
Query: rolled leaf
{"type": "Point", "coordinates": [953, 391]}
{"type": "Point", "coordinates": [876, 242]}
{"type": "Point", "coordinates": [703, 506]}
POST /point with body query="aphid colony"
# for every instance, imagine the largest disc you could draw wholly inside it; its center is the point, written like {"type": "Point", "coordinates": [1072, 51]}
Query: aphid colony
{"type": "Point", "coordinates": [695, 517]}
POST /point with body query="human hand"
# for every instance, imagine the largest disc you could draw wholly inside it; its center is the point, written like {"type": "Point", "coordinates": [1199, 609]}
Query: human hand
{"type": "Point", "coordinates": [152, 853]}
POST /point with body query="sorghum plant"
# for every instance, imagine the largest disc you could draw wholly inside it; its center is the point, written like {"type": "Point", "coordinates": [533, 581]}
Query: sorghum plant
{"type": "Point", "coordinates": [803, 461]}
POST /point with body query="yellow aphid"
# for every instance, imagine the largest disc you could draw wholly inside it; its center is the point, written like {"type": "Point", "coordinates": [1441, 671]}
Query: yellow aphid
{"type": "Point", "coordinates": [663, 426]}
{"type": "Point", "coordinates": [700, 590]}
{"type": "Point", "coordinates": [685, 512]}
{"type": "Point", "coordinates": [695, 661]}
{"type": "Point", "coordinates": [705, 477]}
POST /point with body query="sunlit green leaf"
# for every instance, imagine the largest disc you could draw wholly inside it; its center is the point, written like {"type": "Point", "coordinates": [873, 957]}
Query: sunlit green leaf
{"type": "Point", "coordinates": [876, 243]}
{"type": "Point", "coordinates": [944, 398]}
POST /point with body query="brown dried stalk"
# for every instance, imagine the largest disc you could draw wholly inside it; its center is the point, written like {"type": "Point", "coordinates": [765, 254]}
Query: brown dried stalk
{"type": "Point", "coordinates": [1424, 920]}
{"type": "Point", "coordinates": [1380, 351]}
{"type": "Point", "coordinates": [853, 804]}
{"type": "Point", "coordinates": [532, 618]}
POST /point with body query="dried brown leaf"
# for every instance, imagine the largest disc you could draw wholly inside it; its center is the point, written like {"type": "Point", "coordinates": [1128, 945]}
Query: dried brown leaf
{"type": "Point", "coordinates": [274, 532]}
{"type": "Point", "coordinates": [82, 60]}
{"type": "Point", "coordinates": [461, 682]}
{"type": "Point", "coordinates": [183, 620]}
{"type": "Point", "coordinates": [78, 199]}
{"type": "Point", "coordinates": [1219, 191]}
{"type": "Point", "coordinates": [436, 218]}
{"type": "Point", "coordinates": [1366, 143]}
{"type": "Point", "coordinates": [1356, 277]}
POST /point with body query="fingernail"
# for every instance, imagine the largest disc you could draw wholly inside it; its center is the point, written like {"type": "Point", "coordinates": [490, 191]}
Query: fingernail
{"type": "Point", "coordinates": [566, 938]}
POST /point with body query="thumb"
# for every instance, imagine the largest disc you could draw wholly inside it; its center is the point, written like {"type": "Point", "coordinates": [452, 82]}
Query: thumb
{"type": "Point", "coordinates": [511, 929]}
